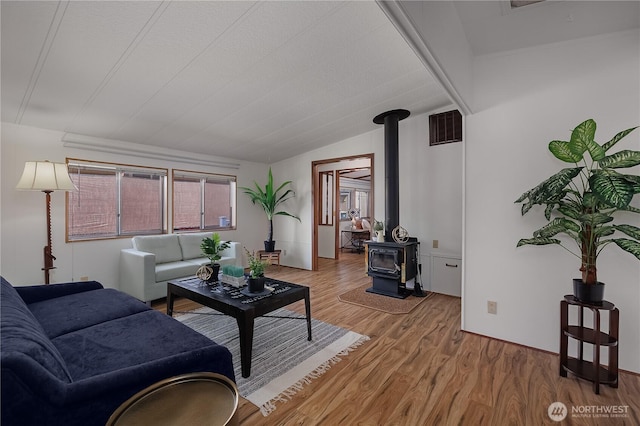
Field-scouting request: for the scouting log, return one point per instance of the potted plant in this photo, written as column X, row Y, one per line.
column 256, row 272
column 212, row 248
column 378, row 227
column 269, row 199
column 581, row 201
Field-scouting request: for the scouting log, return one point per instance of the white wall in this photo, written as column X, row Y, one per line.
column 23, row 226
column 430, row 186
column 526, row 99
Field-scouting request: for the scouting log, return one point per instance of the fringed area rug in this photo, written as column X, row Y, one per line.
column 283, row 360
column 390, row 305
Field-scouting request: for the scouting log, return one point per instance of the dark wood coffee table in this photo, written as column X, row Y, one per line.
column 231, row 301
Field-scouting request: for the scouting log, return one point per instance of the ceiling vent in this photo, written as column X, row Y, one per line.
column 445, row 127
column 519, row 3
column 509, row 6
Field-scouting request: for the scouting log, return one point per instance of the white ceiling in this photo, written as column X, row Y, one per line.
column 256, row 81
column 492, row 26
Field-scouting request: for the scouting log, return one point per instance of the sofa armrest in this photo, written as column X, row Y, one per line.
column 38, row 293
column 137, row 272
column 235, row 251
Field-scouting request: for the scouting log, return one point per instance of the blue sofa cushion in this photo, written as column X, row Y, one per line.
column 37, row 293
column 82, row 310
column 134, row 341
column 25, row 346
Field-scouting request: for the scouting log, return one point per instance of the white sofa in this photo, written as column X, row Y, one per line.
column 154, row 260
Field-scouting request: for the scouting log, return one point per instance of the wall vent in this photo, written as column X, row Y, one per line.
column 445, row 127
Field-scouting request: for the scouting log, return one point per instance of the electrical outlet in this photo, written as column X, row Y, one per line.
column 492, row 307
column 435, row 243
column 284, row 252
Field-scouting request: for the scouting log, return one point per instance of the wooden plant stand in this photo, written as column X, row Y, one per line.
column 589, row 370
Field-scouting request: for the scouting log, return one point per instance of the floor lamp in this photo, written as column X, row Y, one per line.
column 46, row 177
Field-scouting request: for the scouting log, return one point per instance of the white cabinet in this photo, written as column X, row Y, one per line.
column 446, row 274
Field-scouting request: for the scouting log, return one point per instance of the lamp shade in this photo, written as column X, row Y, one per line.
column 46, row 176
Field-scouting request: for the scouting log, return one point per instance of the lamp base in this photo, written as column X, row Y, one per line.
column 48, row 263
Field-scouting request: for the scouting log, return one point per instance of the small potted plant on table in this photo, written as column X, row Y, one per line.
column 212, row 248
column 256, row 273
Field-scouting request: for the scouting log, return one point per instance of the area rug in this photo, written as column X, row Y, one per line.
column 283, row 360
column 390, row 305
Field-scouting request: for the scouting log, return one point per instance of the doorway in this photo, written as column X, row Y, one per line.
column 335, row 204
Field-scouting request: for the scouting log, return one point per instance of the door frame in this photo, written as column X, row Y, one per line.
column 316, row 202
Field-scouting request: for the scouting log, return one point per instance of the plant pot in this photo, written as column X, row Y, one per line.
column 256, row 285
column 216, row 271
column 380, row 236
column 588, row 293
column 269, row 246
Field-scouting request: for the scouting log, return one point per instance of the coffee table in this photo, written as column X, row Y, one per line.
column 244, row 308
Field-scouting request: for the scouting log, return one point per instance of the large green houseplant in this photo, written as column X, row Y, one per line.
column 269, row 199
column 581, row 202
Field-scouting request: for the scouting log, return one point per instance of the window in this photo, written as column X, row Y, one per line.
column 345, row 205
column 114, row 200
column 203, row 201
column 354, row 202
column 362, row 202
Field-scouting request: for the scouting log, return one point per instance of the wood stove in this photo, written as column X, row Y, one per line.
column 392, row 266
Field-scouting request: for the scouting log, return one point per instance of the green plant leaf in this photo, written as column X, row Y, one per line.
column 616, row 138
column 596, row 152
column 560, row 149
column 582, row 136
column 554, row 187
column 589, row 201
column 630, row 230
column 537, row 241
column 548, row 210
column 523, row 197
column 611, row 188
column 594, row 219
column 603, row 231
column 634, row 181
column 556, row 226
column 570, row 211
column 631, row 209
column 550, row 191
column 286, row 214
column 630, row 246
column 620, row 160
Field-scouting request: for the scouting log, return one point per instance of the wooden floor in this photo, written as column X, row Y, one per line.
column 420, row 369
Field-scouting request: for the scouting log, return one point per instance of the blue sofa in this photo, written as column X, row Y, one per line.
column 72, row 353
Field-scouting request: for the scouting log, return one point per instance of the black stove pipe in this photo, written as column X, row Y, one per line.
column 390, row 120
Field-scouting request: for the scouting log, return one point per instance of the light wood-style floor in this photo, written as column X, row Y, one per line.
column 420, row 369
